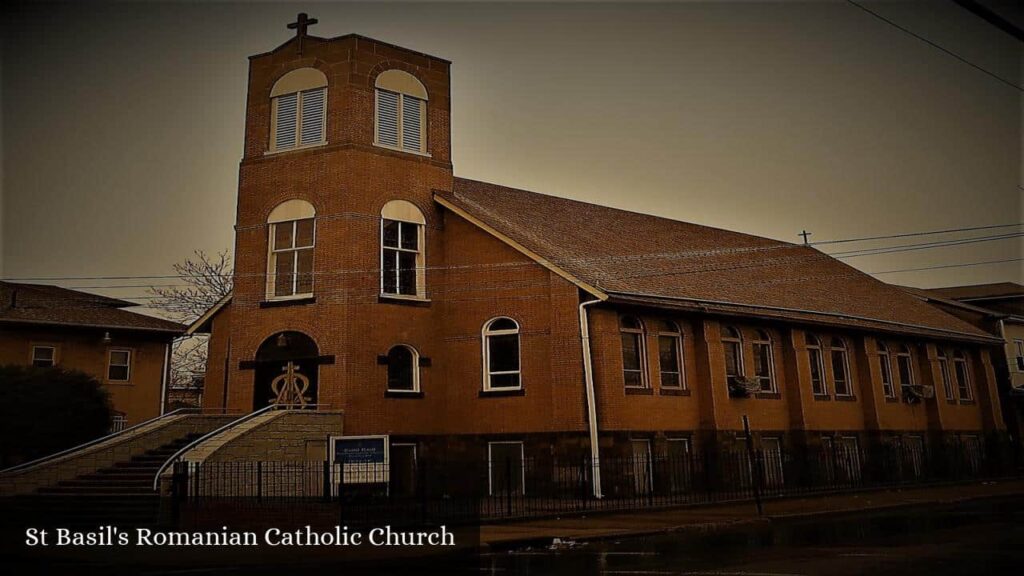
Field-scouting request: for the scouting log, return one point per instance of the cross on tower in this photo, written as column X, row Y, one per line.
column 302, row 22
column 805, row 234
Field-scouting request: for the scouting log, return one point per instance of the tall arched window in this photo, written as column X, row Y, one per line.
column 634, row 373
column 885, row 366
column 670, row 355
column 963, row 376
column 501, row 355
column 944, row 372
column 290, row 256
column 764, row 363
column 732, row 345
column 401, row 121
column 905, row 365
column 298, row 109
column 818, row 385
column 403, row 369
column 402, row 259
column 840, row 368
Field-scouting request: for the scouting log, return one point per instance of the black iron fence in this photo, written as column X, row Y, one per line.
column 525, row 487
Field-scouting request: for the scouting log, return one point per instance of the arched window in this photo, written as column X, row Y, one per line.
column 501, row 355
column 732, row 344
column 905, row 365
column 840, row 368
column 885, row 367
column 634, row 373
column 947, row 377
column 298, row 109
column 764, row 363
column 402, row 258
column 290, row 256
column 401, row 121
column 403, row 369
column 963, row 376
column 818, row 385
column 670, row 355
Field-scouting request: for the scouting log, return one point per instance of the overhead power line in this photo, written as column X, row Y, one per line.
column 910, row 234
column 936, row 46
column 922, row 246
column 948, row 266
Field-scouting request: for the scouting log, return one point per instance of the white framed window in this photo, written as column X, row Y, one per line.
column 506, row 470
column 670, row 355
column 947, row 378
column 501, row 355
column 885, row 367
column 905, row 366
column 298, row 110
column 119, row 365
column 292, row 238
column 403, row 369
column 1019, row 345
column 818, row 385
column 840, row 367
column 963, row 376
column 402, row 255
column 764, row 361
column 732, row 345
column 44, row 356
column 634, row 352
column 400, row 112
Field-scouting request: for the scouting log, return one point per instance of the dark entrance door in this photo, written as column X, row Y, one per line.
column 286, row 371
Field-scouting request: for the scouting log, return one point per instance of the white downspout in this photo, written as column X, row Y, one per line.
column 588, row 376
column 164, row 376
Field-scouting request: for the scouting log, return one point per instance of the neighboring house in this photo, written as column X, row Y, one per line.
column 187, row 394
column 466, row 318
column 127, row 352
column 999, row 309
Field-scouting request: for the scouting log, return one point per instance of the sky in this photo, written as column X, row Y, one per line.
column 122, row 124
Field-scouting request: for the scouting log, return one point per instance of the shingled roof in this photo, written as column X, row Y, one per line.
column 981, row 291
column 638, row 258
column 53, row 305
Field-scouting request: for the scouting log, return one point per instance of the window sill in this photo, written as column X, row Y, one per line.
column 674, row 392
column 293, row 301
column 403, row 394
column 967, row 402
column 118, row 382
column 846, row 398
column 499, row 392
column 639, row 391
column 403, row 300
column 295, row 148
column 403, row 150
column 822, row 397
column 768, row 395
column 891, row 399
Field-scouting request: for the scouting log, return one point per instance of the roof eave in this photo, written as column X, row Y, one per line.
column 199, row 326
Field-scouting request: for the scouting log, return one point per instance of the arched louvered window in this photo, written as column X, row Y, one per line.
column 290, row 256
column 963, row 376
column 298, row 110
column 840, row 368
column 885, row 368
column 403, row 369
column 670, row 355
column 732, row 346
column 818, row 385
column 764, row 361
column 634, row 352
column 401, row 112
column 501, row 355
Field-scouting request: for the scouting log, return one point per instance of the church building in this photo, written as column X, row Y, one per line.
column 459, row 317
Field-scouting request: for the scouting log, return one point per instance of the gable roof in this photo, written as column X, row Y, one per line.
column 53, row 305
column 644, row 259
column 929, row 295
column 977, row 291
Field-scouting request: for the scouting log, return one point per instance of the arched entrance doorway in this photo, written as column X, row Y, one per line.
column 286, row 370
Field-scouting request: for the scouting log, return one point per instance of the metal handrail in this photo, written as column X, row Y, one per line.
column 95, row 441
column 177, row 455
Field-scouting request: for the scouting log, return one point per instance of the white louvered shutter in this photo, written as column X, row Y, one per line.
column 287, row 109
column 411, row 112
column 312, row 130
column 387, row 118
